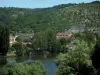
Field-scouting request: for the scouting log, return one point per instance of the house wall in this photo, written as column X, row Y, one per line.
column 12, row 39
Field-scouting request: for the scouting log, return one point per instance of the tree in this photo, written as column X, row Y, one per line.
column 95, row 57
column 76, row 61
column 18, row 39
column 4, row 39
column 45, row 40
column 63, row 41
column 20, row 48
column 39, row 41
column 51, row 39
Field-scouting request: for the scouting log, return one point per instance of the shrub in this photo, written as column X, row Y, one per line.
column 30, row 68
column 76, row 61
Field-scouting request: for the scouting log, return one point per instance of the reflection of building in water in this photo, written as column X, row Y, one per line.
column 12, row 39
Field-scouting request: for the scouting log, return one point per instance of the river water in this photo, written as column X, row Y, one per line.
column 49, row 63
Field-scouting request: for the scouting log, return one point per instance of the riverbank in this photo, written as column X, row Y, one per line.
column 49, row 63
column 11, row 54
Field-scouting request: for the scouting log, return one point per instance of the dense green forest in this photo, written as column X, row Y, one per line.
column 58, row 17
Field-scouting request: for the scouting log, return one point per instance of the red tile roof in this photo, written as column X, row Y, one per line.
column 64, row 35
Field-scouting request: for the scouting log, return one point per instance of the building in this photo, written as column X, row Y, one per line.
column 25, row 38
column 64, row 35
column 12, row 39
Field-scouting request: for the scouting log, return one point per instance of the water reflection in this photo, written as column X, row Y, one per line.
column 3, row 60
column 21, row 59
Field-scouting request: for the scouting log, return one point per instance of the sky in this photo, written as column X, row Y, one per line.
column 37, row 3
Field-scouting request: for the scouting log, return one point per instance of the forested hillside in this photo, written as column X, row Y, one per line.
column 59, row 17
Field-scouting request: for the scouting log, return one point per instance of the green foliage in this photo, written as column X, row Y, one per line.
column 20, row 48
column 30, row 68
column 63, row 41
column 11, row 49
column 76, row 60
column 59, row 17
column 45, row 40
column 4, row 39
column 27, row 40
column 51, row 39
column 87, row 36
column 18, row 39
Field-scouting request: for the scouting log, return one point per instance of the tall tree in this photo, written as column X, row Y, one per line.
column 4, row 39
column 95, row 57
column 51, row 39
column 45, row 40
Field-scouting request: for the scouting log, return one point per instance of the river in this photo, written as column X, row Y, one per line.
column 49, row 63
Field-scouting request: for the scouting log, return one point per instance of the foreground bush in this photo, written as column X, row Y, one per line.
column 30, row 68
column 76, row 61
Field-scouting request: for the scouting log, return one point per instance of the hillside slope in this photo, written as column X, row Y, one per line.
column 59, row 17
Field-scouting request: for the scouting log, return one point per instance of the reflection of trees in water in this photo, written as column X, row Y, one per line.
column 21, row 59
column 3, row 60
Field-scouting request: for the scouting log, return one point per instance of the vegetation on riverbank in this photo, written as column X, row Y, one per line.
column 30, row 68
column 11, row 54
